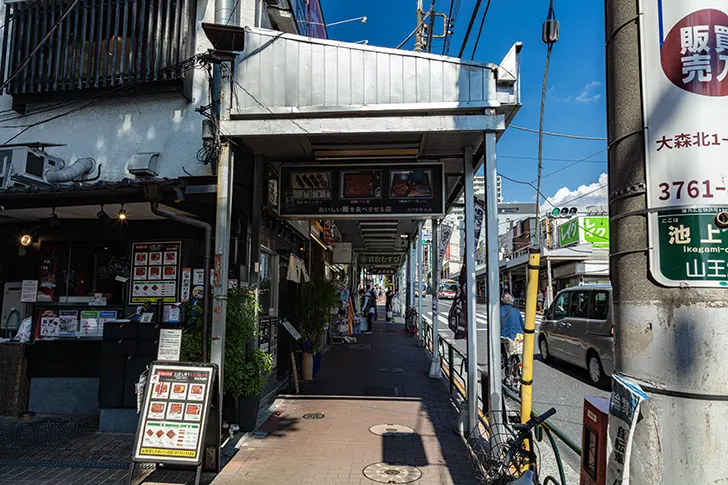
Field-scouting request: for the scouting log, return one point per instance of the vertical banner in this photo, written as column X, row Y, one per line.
column 457, row 318
column 446, row 231
column 624, row 411
column 684, row 53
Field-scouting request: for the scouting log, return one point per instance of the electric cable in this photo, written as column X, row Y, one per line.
column 470, row 28
column 560, row 135
column 516, row 157
column 480, row 30
column 447, row 26
column 572, row 164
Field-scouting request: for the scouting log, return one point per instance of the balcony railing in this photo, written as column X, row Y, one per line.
column 64, row 46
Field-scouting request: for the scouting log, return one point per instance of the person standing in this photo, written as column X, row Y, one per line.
column 388, row 304
column 369, row 308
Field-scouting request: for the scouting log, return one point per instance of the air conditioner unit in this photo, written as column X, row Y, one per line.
column 27, row 166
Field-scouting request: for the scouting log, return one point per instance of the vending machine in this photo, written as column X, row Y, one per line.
column 594, row 441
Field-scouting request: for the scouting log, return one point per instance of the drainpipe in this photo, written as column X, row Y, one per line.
column 206, row 277
column 224, row 12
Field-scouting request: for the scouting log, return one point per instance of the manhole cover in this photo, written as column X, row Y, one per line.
column 391, row 370
column 386, row 473
column 391, row 430
column 313, row 416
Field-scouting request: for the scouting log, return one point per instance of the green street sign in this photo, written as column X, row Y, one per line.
column 569, row 233
column 596, row 231
column 380, row 259
column 690, row 248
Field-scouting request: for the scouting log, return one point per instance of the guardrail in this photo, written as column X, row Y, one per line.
column 455, row 374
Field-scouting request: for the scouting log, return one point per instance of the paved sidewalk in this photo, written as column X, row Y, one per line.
column 381, row 380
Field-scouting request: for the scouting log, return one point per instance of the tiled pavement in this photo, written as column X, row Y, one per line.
column 354, row 394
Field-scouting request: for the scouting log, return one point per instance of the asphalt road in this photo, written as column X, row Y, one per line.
column 559, row 385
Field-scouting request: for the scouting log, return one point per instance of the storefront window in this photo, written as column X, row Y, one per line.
column 268, row 283
column 84, row 271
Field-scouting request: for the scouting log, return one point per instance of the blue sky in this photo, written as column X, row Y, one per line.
column 575, row 104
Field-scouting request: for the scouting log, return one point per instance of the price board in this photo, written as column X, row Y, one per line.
column 174, row 414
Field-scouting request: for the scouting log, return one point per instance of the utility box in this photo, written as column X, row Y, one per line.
column 594, row 441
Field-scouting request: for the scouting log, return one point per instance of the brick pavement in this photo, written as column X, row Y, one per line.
column 353, row 395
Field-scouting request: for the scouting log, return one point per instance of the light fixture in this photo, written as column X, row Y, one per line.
column 363, row 20
column 26, row 240
column 103, row 215
column 53, row 220
column 121, row 215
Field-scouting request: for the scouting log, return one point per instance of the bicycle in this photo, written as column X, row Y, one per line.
column 519, row 465
column 511, row 366
column 410, row 321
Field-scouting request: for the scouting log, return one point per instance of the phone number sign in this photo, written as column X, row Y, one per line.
column 692, row 249
column 684, row 55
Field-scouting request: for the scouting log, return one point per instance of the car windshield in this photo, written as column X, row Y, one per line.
column 449, row 287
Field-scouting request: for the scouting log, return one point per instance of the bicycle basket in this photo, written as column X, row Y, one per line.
column 490, row 455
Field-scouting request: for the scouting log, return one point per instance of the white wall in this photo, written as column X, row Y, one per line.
column 116, row 129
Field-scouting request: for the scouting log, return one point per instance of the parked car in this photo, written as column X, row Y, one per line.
column 578, row 328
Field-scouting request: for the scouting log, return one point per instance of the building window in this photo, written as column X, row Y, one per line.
column 56, row 46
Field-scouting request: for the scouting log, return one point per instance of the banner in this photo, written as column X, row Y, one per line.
column 446, row 231
column 457, row 319
column 624, row 411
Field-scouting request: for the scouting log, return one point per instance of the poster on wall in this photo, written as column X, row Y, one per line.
column 683, row 47
column 68, row 323
column 415, row 190
column 156, row 272
column 50, row 323
column 174, row 413
column 624, row 411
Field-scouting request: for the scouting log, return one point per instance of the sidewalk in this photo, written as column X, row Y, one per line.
column 328, row 434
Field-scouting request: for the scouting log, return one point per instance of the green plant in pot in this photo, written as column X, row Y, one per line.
column 318, row 297
column 246, row 368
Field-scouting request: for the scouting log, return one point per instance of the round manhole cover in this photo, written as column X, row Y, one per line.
column 313, row 416
column 391, row 370
column 391, row 430
column 387, row 473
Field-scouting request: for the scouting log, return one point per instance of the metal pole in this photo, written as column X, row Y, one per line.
column 420, row 331
column 550, row 287
column 419, row 35
column 470, row 300
column 491, row 239
column 411, row 270
column 224, row 12
column 435, row 371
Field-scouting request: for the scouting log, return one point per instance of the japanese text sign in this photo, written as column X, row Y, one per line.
column 684, row 46
column 174, row 413
column 569, row 233
column 380, row 259
column 355, row 192
column 624, row 409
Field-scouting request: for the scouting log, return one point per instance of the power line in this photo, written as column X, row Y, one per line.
column 480, row 30
column 553, row 159
column 575, row 163
column 560, row 135
column 470, row 27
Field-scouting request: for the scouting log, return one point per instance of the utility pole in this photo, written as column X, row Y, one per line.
column 670, row 303
column 435, row 372
column 420, row 33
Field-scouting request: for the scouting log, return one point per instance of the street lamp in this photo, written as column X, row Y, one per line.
column 363, row 20
column 365, row 42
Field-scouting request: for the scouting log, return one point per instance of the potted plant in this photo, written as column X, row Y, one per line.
column 317, row 298
column 246, row 368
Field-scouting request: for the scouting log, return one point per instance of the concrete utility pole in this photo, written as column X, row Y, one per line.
column 670, row 317
column 420, row 284
column 435, row 372
column 420, row 33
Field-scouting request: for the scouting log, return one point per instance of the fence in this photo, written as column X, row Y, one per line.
column 453, row 363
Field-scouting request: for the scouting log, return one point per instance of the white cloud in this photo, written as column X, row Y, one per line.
column 584, row 196
column 589, row 93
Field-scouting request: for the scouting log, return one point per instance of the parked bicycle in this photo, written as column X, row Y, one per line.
column 512, row 459
column 410, row 321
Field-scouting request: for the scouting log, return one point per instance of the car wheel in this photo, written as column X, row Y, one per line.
column 543, row 347
column 596, row 372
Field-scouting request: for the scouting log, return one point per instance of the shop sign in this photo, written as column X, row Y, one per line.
column 174, row 413
column 342, row 253
column 596, row 231
column 156, row 272
column 380, row 259
column 684, row 53
column 569, row 233
column 416, row 191
column 382, row 271
column 328, row 232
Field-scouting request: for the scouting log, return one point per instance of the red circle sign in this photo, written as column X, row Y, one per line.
column 695, row 53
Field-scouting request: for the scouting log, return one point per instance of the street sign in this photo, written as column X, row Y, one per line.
column 415, row 191
column 569, row 233
column 174, row 414
column 684, row 45
column 691, row 248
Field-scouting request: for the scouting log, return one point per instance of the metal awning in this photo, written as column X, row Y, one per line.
column 299, row 99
